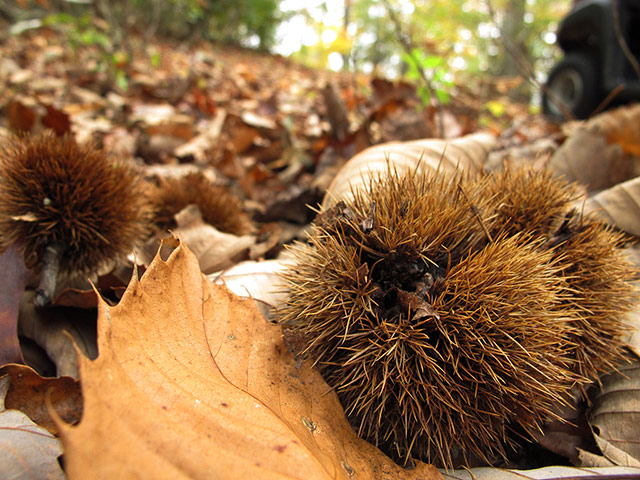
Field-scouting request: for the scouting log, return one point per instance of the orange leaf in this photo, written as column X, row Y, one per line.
column 192, row 382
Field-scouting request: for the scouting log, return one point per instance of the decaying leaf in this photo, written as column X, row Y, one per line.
column 27, row 451
column 32, row 394
column 192, row 382
column 615, row 415
column 467, row 153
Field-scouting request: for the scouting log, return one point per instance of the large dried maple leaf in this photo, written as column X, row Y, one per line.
column 192, row 382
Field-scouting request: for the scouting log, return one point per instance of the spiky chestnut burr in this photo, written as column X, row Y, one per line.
column 589, row 255
column 70, row 207
column 437, row 338
column 527, row 200
column 219, row 207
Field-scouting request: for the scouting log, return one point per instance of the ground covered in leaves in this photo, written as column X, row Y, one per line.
column 272, row 134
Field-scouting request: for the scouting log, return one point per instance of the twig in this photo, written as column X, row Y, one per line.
column 621, row 40
column 408, row 47
column 608, row 99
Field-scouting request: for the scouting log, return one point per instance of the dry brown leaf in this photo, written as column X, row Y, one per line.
column 588, row 459
column 198, row 146
column 27, row 451
column 214, row 249
column 621, row 126
column 192, row 382
column 619, row 206
column 32, row 394
column 615, row 415
column 588, row 159
column 467, row 153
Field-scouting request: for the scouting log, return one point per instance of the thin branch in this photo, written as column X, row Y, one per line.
column 409, row 48
column 621, row 40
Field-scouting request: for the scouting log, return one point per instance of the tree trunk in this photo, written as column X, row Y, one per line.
column 515, row 50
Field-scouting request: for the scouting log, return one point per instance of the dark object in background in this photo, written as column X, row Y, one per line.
column 594, row 64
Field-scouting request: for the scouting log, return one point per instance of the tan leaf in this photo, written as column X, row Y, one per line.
column 619, row 206
column 467, row 153
column 27, row 451
column 192, row 382
column 615, row 415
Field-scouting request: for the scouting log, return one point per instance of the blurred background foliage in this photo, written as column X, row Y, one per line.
column 448, row 40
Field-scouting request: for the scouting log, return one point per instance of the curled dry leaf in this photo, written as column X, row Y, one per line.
column 621, row 126
column 214, row 249
column 601, row 153
column 588, row 159
column 466, row 153
column 27, row 451
column 191, row 382
column 32, row 394
column 615, row 415
column 619, row 206
column 260, row 281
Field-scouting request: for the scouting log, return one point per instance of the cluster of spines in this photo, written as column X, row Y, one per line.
column 219, row 207
column 446, row 311
column 73, row 198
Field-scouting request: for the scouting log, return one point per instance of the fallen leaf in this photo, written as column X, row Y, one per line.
column 192, row 382
column 57, row 120
column 588, row 459
column 547, row 473
column 621, row 126
column 260, row 281
column 59, row 332
column 618, row 206
column 34, row 395
column 588, row 159
column 468, row 152
column 15, row 277
column 615, row 415
column 27, row 451
column 200, row 144
column 214, row 249
column 21, row 116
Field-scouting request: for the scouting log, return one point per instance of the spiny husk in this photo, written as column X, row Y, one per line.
column 54, row 191
column 436, row 338
column 527, row 200
column 219, row 207
column 600, row 291
column 589, row 254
